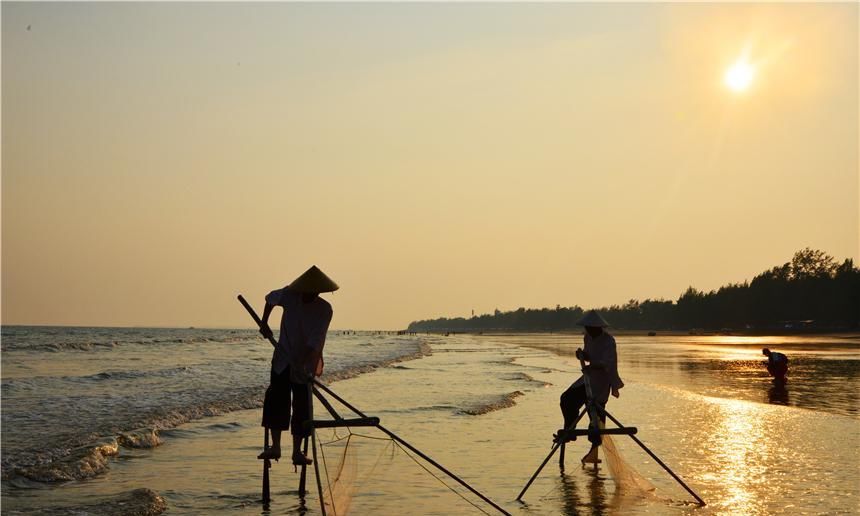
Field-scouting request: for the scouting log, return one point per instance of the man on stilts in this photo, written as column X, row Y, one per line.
column 599, row 379
column 602, row 380
column 297, row 358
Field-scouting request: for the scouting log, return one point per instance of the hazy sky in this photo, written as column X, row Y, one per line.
column 160, row 158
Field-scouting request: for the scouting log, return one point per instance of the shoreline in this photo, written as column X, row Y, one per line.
column 842, row 334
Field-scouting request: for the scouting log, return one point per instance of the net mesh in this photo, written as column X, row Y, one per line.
column 354, row 463
column 627, row 480
column 340, row 463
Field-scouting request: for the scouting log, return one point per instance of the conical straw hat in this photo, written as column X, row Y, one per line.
column 313, row 281
column 592, row 318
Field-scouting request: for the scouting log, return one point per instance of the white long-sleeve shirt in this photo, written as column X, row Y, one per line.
column 303, row 329
column 604, row 375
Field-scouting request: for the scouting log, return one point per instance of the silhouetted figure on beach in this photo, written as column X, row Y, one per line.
column 602, row 370
column 777, row 365
column 298, row 357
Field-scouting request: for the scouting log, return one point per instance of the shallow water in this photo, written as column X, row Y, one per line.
column 702, row 404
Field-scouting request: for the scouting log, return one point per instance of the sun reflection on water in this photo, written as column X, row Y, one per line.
column 738, row 340
column 739, row 444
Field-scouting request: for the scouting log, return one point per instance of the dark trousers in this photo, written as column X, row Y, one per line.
column 778, row 371
column 571, row 403
column 276, row 405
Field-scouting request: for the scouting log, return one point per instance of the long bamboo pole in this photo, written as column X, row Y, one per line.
column 591, row 406
column 317, row 471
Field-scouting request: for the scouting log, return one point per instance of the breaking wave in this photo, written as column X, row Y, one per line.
column 500, row 402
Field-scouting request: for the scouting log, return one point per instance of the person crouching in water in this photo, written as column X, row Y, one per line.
column 297, row 358
column 602, row 370
column 777, row 365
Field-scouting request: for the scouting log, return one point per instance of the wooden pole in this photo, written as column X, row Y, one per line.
column 310, row 403
column 256, row 318
column 317, row 471
column 413, row 449
column 593, row 416
column 325, row 403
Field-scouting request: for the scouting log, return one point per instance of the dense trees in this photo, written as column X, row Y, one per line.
column 812, row 291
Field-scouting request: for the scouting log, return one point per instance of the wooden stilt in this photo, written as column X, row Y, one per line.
column 304, row 474
column 266, row 465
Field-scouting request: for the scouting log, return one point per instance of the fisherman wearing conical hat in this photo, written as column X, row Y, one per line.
column 297, row 358
column 602, row 369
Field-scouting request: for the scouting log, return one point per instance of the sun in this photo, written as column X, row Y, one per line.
column 739, row 76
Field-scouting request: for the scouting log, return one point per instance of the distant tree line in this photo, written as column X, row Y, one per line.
column 813, row 291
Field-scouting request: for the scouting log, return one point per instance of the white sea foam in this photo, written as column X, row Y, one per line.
column 54, row 424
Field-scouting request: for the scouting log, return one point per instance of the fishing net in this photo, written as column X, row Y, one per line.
column 358, row 464
column 627, row 480
column 614, row 489
column 340, row 464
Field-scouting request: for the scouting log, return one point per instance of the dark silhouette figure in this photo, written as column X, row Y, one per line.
column 777, row 366
column 602, row 372
column 297, row 358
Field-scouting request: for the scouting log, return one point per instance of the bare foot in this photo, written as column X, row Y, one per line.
column 299, row 459
column 271, row 453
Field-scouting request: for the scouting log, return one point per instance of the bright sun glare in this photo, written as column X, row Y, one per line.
column 739, row 76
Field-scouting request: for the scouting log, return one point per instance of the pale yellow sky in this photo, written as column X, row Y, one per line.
column 160, row 158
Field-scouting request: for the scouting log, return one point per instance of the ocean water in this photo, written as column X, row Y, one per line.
column 69, row 391
column 113, row 421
